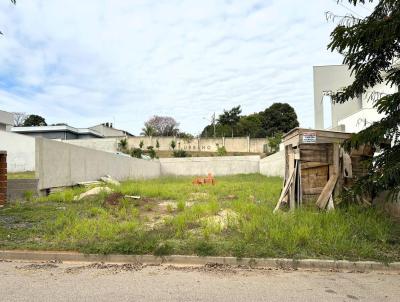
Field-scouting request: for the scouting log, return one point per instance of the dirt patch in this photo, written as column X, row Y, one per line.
column 37, row 266
column 113, row 199
column 114, row 268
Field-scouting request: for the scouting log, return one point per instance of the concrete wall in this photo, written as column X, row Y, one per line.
column 17, row 188
column 196, row 166
column 273, row 165
column 59, row 164
column 101, row 144
column 6, row 119
column 236, row 144
column 20, row 149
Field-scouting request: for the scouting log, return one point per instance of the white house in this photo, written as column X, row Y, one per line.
column 6, row 120
column 351, row 116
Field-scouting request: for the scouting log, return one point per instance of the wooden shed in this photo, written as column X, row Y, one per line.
column 317, row 167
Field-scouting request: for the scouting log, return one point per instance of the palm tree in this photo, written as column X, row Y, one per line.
column 148, row 131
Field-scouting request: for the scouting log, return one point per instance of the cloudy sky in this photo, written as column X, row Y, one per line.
column 92, row 61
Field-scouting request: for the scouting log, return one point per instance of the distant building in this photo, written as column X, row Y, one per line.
column 6, row 120
column 60, row 132
column 352, row 116
column 107, row 130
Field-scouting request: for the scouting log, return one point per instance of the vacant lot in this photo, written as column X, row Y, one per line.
column 172, row 216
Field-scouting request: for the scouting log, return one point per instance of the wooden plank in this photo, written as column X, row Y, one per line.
column 311, row 164
column 284, row 191
column 292, row 198
column 313, row 191
column 323, row 198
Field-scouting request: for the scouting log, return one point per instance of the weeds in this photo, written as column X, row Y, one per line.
column 250, row 230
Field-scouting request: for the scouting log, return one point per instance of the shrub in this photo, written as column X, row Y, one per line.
column 221, row 151
column 151, row 152
column 136, row 152
column 141, row 144
column 123, row 145
column 180, row 153
column 173, row 145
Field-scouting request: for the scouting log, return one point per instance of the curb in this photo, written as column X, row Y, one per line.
column 279, row 263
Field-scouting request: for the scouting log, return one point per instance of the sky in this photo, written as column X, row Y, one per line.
column 94, row 61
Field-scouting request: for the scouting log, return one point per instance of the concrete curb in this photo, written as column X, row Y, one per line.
column 196, row 261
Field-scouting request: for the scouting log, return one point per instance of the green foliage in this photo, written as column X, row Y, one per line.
column 136, row 152
column 141, row 144
column 123, row 145
column 277, row 118
column 251, row 125
column 148, row 130
column 230, row 117
column 275, row 141
column 157, row 144
column 34, row 120
column 57, row 222
column 151, row 152
column 221, row 151
column 180, row 153
column 371, row 47
column 280, row 117
column 173, row 144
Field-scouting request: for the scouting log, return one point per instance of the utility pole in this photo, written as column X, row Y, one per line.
column 213, row 122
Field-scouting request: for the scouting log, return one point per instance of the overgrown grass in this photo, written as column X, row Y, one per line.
column 21, row 175
column 194, row 225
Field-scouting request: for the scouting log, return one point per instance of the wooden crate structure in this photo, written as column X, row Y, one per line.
column 317, row 167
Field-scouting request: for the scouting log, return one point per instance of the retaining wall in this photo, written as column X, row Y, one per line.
column 218, row 166
column 59, row 164
column 273, row 165
column 101, row 144
column 20, row 149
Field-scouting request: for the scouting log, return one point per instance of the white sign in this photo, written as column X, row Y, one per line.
column 309, row 137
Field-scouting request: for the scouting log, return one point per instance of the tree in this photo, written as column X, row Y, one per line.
column 157, row 144
column 123, row 145
column 279, row 117
column 34, row 120
column 275, row 141
column 141, row 144
column 148, row 130
column 19, row 118
column 13, row 2
column 231, row 117
column 371, row 48
column 173, row 145
column 251, row 125
column 163, row 125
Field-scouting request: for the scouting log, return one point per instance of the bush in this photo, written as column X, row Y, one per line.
column 136, row 152
column 221, row 151
column 180, row 153
column 151, row 152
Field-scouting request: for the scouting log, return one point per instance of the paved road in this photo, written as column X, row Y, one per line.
column 24, row 281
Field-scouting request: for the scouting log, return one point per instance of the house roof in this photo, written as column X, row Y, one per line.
column 65, row 128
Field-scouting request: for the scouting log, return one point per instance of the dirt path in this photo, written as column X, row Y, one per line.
column 26, row 281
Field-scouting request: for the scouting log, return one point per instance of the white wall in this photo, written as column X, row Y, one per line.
column 273, row 165
column 218, row 166
column 20, row 151
column 360, row 120
column 59, row 165
column 101, row 144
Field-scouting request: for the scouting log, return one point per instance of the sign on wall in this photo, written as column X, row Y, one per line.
column 309, row 137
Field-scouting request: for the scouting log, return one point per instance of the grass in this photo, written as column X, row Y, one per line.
column 232, row 218
column 21, row 175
